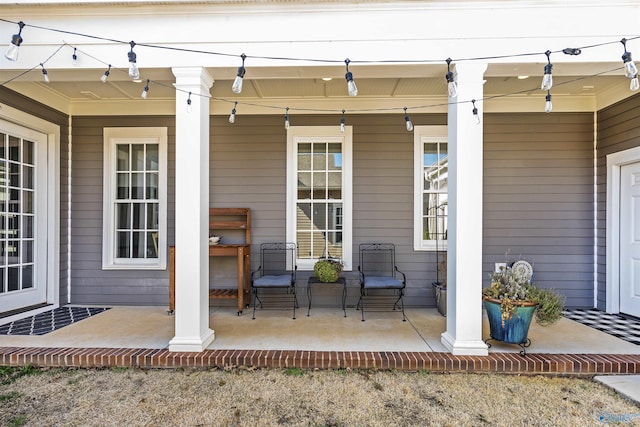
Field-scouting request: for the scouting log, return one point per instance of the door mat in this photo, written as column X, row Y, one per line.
column 626, row 328
column 49, row 321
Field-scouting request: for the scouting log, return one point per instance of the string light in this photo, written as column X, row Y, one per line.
column 189, row 108
column 14, row 45
column 351, row 85
column 630, row 69
column 407, row 120
column 134, row 72
column 474, row 110
column 105, row 76
column 74, row 57
column 232, row 116
column 452, row 87
column 547, row 80
column 237, row 83
column 286, row 119
column 45, row 75
column 547, row 105
column 145, row 91
column 342, row 122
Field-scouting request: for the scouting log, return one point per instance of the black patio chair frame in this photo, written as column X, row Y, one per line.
column 378, row 272
column 277, row 272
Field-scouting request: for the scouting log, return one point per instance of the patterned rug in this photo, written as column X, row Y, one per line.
column 49, row 321
column 620, row 326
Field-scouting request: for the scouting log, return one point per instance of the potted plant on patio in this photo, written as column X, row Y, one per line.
column 511, row 302
column 328, row 270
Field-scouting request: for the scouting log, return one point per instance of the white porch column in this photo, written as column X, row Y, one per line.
column 192, row 332
column 464, row 277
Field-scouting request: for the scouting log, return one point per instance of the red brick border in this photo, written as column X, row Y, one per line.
column 532, row 363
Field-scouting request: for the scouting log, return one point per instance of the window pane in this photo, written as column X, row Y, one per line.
column 304, row 157
column 27, row 251
column 3, row 253
column 123, row 244
column 137, row 157
column 13, row 224
column 14, row 174
column 3, row 199
column 123, row 216
column 319, row 157
column 27, row 226
column 123, row 157
column 3, row 287
column 335, row 156
column 319, row 185
column 14, row 148
column 13, row 252
column 152, row 163
column 138, row 248
column 304, row 185
column 138, row 216
column 28, row 147
column 14, row 200
column 152, row 186
column 3, row 145
column 319, row 216
column 303, row 238
column 14, row 278
column 152, row 245
column 303, row 217
column 137, row 185
column 153, row 216
column 27, row 177
column 3, row 172
column 123, row 186
column 335, row 185
column 27, row 201
column 27, row 277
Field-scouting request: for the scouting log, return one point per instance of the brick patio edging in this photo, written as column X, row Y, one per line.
column 532, row 363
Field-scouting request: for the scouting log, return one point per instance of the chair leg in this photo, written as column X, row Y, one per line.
column 256, row 301
column 295, row 302
column 360, row 305
column 401, row 301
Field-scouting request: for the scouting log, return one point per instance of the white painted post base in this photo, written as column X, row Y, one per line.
column 463, row 348
column 194, row 344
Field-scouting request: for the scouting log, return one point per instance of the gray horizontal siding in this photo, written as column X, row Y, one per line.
column 618, row 130
column 538, row 198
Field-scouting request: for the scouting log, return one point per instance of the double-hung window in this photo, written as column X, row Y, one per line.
column 319, row 193
column 135, row 198
column 431, row 173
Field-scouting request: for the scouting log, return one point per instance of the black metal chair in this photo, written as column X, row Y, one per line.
column 379, row 276
column 277, row 273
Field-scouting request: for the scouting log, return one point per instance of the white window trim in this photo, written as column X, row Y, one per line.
column 422, row 134
column 112, row 136
column 322, row 133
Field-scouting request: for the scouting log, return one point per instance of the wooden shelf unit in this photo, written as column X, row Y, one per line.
column 225, row 219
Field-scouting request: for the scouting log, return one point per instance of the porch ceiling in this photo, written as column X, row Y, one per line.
column 412, row 82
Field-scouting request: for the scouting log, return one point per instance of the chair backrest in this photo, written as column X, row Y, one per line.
column 277, row 258
column 377, row 259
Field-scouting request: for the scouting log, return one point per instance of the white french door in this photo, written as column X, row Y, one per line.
column 630, row 239
column 23, row 219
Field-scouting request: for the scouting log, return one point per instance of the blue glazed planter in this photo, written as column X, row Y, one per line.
column 516, row 329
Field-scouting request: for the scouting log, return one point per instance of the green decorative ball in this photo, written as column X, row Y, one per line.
column 327, row 270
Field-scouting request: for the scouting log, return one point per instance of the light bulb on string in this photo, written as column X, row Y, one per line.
column 105, row 76
column 634, row 84
column 452, row 86
column 351, row 85
column 145, row 91
column 45, row 75
column 547, row 79
column 407, row 120
column 14, row 44
column 74, row 57
column 286, row 119
column 474, row 110
column 232, row 116
column 342, row 122
column 237, row 83
column 189, row 108
column 630, row 69
column 134, row 72
column 547, row 105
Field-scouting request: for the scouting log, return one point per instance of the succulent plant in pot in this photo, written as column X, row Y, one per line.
column 328, row 270
column 512, row 300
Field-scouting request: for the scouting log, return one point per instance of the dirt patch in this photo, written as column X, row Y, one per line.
column 294, row 397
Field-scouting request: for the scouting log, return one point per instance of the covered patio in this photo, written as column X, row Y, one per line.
column 139, row 337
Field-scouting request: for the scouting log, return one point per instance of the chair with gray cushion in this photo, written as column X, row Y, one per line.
column 275, row 279
column 380, row 278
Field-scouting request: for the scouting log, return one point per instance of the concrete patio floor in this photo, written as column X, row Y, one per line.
column 324, row 330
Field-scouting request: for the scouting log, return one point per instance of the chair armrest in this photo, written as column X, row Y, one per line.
column 404, row 276
column 254, row 273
